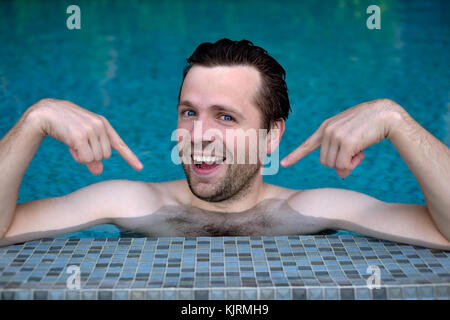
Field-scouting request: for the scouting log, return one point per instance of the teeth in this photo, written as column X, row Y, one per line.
column 208, row 160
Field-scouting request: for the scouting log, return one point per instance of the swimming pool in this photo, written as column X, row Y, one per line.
column 126, row 63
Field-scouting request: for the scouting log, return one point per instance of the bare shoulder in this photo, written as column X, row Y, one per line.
column 127, row 197
column 330, row 202
column 174, row 192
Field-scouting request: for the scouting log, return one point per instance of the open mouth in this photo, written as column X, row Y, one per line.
column 203, row 165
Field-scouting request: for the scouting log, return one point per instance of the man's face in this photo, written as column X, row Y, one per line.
column 217, row 110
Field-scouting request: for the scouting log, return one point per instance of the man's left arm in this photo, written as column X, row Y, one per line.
column 429, row 161
column 342, row 139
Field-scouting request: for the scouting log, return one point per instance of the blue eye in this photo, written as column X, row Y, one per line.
column 189, row 113
column 227, row 118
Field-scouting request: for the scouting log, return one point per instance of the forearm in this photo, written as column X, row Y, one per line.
column 429, row 161
column 17, row 148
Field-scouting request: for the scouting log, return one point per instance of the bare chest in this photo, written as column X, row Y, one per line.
column 272, row 217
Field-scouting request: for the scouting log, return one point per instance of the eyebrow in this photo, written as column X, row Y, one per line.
column 218, row 107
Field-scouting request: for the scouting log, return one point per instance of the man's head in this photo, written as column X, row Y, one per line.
column 230, row 90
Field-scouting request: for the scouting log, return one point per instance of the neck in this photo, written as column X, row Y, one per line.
column 244, row 200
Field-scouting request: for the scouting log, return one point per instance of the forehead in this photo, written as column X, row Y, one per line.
column 229, row 85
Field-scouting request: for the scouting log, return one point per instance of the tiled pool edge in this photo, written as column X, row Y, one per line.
column 284, row 267
column 404, row 292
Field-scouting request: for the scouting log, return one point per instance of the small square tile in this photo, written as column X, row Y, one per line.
column 299, row 294
column 426, row 292
column 169, row 295
column 266, row 293
column 315, row 293
column 249, row 294
column 137, row 295
column 347, row 294
column 395, row 293
column 56, row 295
column 185, row 295
column 121, row 294
column 105, row 295
column 379, row 294
column 441, row 292
column 72, row 295
column 88, row 295
column 410, row 293
column 154, row 294
column 363, row 294
column 7, row 295
column 331, row 294
column 40, row 295
column 201, row 294
column 283, row 294
column 233, row 294
column 24, row 295
column 217, row 294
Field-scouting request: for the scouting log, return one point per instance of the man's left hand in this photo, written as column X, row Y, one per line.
column 343, row 137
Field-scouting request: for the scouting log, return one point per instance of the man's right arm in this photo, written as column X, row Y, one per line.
column 95, row 204
column 89, row 137
column 17, row 148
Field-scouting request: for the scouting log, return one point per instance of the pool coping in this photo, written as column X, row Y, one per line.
column 205, row 268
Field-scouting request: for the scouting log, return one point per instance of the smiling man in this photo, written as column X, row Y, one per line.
column 230, row 90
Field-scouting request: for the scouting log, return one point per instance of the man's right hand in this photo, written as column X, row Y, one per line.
column 89, row 136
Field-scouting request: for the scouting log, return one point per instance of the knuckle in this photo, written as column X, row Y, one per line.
column 46, row 101
column 79, row 136
column 97, row 122
column 328, row 131
column 326, row 123
column 105, row 121
column 339, row 134
column 89, row 130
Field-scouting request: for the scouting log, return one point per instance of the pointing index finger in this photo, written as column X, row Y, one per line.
column 308, row 146
column 119, row 145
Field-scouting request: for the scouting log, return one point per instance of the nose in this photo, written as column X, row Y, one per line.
column 201, row 131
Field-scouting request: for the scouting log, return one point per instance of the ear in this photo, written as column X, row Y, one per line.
column 274, row 135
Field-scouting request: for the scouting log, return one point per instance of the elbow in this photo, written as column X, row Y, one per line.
column 3, row 231
column 447, row 238
column 445, row 233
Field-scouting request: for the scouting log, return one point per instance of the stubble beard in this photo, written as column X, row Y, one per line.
column 233, row 186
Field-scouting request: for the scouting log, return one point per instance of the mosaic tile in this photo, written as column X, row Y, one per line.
column 410, row 293
column 285, row 267
column 125, row 295
column 315, row 293
column 442, row 292
column 233, row 294
column 363, row 294
column 283, row 294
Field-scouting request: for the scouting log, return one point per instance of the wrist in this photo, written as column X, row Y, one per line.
column 395, row 119
column 34, row 119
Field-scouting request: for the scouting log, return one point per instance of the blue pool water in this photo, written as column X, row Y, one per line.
column 126, row 64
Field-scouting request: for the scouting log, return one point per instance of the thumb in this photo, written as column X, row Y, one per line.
column 95, row 167
column 356, row 160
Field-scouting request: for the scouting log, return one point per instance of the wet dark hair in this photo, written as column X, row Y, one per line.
column 272, row 97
